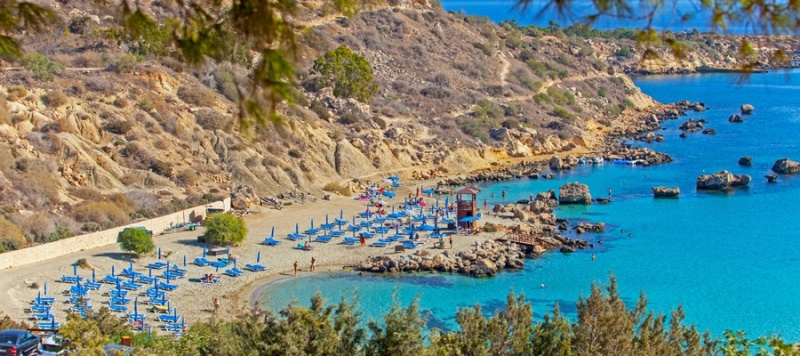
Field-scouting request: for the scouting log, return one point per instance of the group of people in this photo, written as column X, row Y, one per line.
column 312, row 269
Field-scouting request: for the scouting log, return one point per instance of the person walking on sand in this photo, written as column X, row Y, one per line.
column 295, row 268
column 362, row 240
column 216, row 305
column 313, row 263
column 451, row 241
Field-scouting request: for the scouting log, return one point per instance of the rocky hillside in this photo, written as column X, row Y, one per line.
column 97, row 130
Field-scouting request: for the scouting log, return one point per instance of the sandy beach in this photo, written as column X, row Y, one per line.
column 193, row 300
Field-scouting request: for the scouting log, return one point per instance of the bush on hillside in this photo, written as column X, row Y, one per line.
column 484, row 48
column 318, row 107
column 225, row 81
column 16, row 92
column 337, row 188
column 380, row 122
column 211, row 119
column 119, row 127
column 161, row 168
column 224, row 229
column 197, row 94
column 347, row 72
column 135, row 240
column 11, row 237
column 126, row 63
column 41, row 67
column 54, row 99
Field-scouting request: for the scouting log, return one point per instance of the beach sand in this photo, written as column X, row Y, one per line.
column 192, row 300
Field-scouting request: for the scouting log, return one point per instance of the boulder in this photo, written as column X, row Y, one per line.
column 664, row 192
column 242, row 196
column 567, row 249
column 786, row 166
column 735, row 118
column 722, row 180
column 747, row 109
column 746, row 161
column 555, row 163
column 771, row 178
column 539, row 207
column 574, row 193
column 709, row 132
column 550, row 175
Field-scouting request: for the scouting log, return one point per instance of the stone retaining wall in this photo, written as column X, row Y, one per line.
column 63, row 247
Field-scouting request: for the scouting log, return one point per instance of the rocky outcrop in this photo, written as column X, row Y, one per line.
column 786, row 166
column 771, row 178
column 747, row 109
column 574, row 193
column 242, row 196
column 548, row 197
column 484, row 260
column 735, row 118
column 556, row 164
column 591, row 227
column 722, row 180
column 664, row 192
column 691, row 126
column 709, row 132
column 746, row 161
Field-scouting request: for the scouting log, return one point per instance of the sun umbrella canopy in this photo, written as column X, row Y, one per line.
column 389, row 194
column 394, row 178
column 425, row 228
column 468, row 219
column 428, row 191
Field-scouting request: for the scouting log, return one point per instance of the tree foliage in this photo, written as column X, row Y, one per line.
column 138, row 241
column 224, row 229
column 41, row 67
column 347, row 72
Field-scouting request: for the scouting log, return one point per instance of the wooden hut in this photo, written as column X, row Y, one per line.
column 467, row 203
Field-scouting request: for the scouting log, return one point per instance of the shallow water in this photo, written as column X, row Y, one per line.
column 731, row 259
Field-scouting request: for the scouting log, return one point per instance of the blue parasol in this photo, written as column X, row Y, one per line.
column 272, row 235
column 149, row 271
column 204, row 252
column 93, row 281
column 468, row 219
column 184, row 260
column 159, row 253
column 258, row 257
column 131, row 265
column 229, row 250
column 75, row 269
column 45, row 288
column 389, row 194
column 112, row 271
column 395, row 178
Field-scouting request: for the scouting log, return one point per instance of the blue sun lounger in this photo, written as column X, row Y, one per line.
column 44, row 300
column 350, row 240
column 234, row 272
column 337, row 233
column 201, row 261
column 147, row 280
column 378, row 244
column 174, row 327
column 117, row 293
column 409, row 245
column 271, row 242
column 324, row 239
column 92, row 285
column 118, row 308
column 71, row 280
column 173, row 275
column 255, row 268
column 122, row 301
column 175, row 269
column 41, row 309
column 167, row 287
column 158, row 265
column 170, row 318
column 44, row 316
column 295, row 237
column 112, row 280
column 77, row 300
column 131, row 286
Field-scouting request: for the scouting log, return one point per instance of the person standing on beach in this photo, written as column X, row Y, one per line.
column 313, row 263
column 295, row 268
column 362, row 240
column 216, row 305
column 530, row 197
column 451, row 241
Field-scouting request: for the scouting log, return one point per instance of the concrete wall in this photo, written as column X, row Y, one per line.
column 102, row 238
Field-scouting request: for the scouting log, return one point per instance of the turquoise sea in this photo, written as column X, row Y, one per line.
column 731, row 259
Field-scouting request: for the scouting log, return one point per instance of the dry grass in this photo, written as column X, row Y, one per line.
column 54, row 99
column 197, row 94
column 11, row 237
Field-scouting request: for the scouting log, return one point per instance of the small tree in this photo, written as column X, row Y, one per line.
column 224, row 229
column 137, row 241
column 347, row 72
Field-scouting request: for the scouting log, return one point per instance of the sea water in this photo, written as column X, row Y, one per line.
column 732, row 259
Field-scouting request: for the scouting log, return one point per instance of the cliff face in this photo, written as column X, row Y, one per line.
column 455, row 94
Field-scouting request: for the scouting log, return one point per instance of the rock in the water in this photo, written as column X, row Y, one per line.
column 567, row 249
column 771, row 178
column 747, row 109
column 709, row 132
column 574, row 193
column 786, row 166
column 735, row 118
column 555, row 163
column 550, row 175
column 722, row 180
column 664, row 192
column 746, row 161
column 682, row 135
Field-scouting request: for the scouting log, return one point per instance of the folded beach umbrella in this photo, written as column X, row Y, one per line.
column 184, row 260
column 112, row 271
column 131, row 265
column 159, row 253
column 45, row 288
column 93, row 281
column 272, row 235
column 258, row 257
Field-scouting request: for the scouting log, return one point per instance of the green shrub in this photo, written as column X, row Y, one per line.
column 126, row 63
column 627, row 102
column 147, row 105
column 55, row 98
column 91, row 227
column 564, row 135
column 337, row 188
column 599, row 65
column 512, row 110
column 601, row 93
column 435, row 92
column 130, row 149
column 197, row 94
column 562, row 113
column 624, row 52
column 487, row 50
column 136, row 240
column 380, row 122
column 489, row 108
column 511, row 124
column 347, row 72
column 121, row 102
column 319, row 108
column 531, row 84
column 225, row 81
column 224, row 229
column 349, row 118
column 563, row 59
column 489, row 227
column 542, row 98
column 188, row 177
column 41, row 67
column 538, row 67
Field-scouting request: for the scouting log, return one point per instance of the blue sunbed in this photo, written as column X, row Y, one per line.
column 255, row 268
column 304, row 247
column 379, row 244
column 92, row 285
column 167, row 287
column 168, row 318
column 72, row 280
column 271, row 242
column 337, row 233
column 122, row 301
column 324, row 239
column 44, row 316
column 45, row 300
column 201, row 261
column 175, row 269
column 158, row 265
column 76, row 300
column 295, row 237
column 131, row 286
column 174, row 327
column 350, row 240
column 147, row 280
column 41, row 309
column 118, row 308
column 112, row 279
column 409, row 245
column 173, row 275
column 117, row 293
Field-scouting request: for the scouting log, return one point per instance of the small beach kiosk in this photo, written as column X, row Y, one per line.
column 467, row 207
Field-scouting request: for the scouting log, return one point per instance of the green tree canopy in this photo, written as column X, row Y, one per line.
column 138, row 241
column 347, row 72
column 224, row 229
